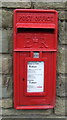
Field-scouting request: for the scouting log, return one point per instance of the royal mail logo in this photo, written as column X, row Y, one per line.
column 30, row 43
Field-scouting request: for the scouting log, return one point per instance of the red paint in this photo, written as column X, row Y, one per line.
column 35, row 30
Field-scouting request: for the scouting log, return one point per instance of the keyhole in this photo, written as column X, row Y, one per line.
column 23, row 79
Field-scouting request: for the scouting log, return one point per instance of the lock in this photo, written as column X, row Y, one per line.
column 23, row 79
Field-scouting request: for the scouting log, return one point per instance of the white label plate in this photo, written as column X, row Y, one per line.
column 35, row 76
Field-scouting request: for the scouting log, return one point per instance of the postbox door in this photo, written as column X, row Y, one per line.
column 29, row 96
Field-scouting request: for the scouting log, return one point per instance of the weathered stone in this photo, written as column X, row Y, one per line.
column 48, row 0
column 0, row 87
column 17, row 4
column 0, row 41
column 7, row 64
column 7, row 18
column 66, row 5
column 0, row 63
column 0, row 17
column 26, row 113
column 7, row 40
column 10, row 40
column 0, row 4
column 60, row 106
column 4, row 41
column 65, row 32
column 61, row 60
column 7, row 88
column 35, row 117
column 15, row 1
column 1, row 113
column 61, row 15
column 65, row 15
column 0, row 103
column 66, row 104
column 7, row 103
column 49, row 5
column 62, row 33
column 61, row 83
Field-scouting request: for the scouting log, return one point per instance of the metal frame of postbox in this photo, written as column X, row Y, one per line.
column 48, row 97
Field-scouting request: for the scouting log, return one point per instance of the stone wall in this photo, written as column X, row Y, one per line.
column 6, row 63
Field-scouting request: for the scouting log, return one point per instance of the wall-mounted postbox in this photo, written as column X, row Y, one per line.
column 35, row 49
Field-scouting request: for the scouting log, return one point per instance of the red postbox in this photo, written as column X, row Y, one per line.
column 35, row 50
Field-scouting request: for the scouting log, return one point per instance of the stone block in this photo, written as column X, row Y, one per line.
column 0, row 4
column 60, row 106
column 4, row 41
column 6, row 64
column 15, row 1
column 66, row 15
column 61, row 59
column 61, row 15
column 7, row 40
column 26, row 113
column 0, row 41
column 7, row 18
column 0, row 87
column 65, row 32
column 49, row 0
column 49, row 5
column 0, row 17
column 7, row 86
column 7, row 103
column 0, row 63
column 66, row 5
column 61, row 83
column 62, row 33
column 16, row 4
column 0, row 103
column 66, row 105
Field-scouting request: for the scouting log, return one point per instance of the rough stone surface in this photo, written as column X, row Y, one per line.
column 0, row 17
column 4, row 41
column 0, row 41
column 7, row 88
column 66, row 104
column 48, row 0
column 0, row 63
column 14, row 1
column 7, row 18
column 61, row 15
column 7, row 64
column 0, row 113
column 0, row 4
column 60, row 106
column 7, row 40
column 7, row 103
column 65, row 32
column 26, row 112
column 61, row 83
column 62, row 33
column 0, row 87
column 61, row 59
column 66, row 15
column 66, row 4
column 0, row 103
column 33, row 0
column 16, row 4
column 49, row 5
column 39, row 117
